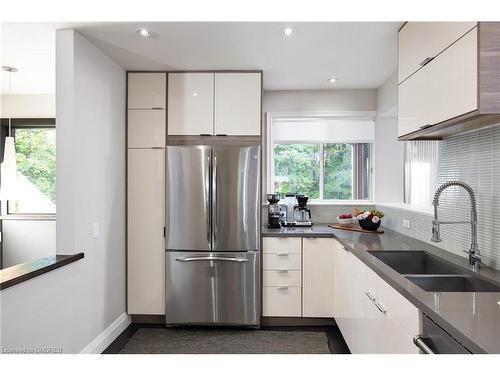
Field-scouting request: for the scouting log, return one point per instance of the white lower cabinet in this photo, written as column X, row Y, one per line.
column 281, row 301
column 372, row 316
column 298, row 277
column 282, row 277
column 318, row 279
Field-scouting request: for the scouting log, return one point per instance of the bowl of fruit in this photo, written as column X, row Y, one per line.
column 344, row 219
column 370, row 220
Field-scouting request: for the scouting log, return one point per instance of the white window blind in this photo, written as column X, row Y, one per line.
column 421, row 160
column 326, row 130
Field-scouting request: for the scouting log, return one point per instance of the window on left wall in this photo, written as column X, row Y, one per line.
column 35, row 146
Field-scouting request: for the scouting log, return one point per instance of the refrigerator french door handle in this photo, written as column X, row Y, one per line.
column 208, row 199
column 211, row 258
column 214, row 200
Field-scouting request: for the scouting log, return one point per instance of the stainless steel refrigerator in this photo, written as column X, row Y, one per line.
column 213, row 235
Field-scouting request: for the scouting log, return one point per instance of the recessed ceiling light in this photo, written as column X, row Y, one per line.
column 9, row 69
column 143, row 32
column 332, row 80
column 195, row 94
column 288, row 31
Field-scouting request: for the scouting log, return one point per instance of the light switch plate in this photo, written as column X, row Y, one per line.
column 95, row 230
column 406, row 223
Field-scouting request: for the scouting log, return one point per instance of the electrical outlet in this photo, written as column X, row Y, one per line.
column 95, row 230
column 406, row 223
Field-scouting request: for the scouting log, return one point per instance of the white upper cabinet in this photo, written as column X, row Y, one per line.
column 318, row 277
column 147, row 90
column 421, row 41
column 238, row 103
column 443, row 89
column 146, row 128
column 190, row 103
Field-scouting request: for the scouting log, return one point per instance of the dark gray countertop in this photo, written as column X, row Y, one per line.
column 472, row 318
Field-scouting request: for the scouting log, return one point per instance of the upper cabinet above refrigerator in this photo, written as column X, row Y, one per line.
column 190, row 103
column 237, row 103
column 220, row 103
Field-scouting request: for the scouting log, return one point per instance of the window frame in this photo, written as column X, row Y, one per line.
column 271, row 117
column 28, row 123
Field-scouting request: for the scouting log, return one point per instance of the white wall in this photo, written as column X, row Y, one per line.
column 25, row 240
column 28, row 106
column 71, row 306
column 319, row 100
column 389, row 152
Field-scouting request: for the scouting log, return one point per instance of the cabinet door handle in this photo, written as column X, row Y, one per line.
column 425, row 126
column 419, row 343
column 282, row 254
column 346, row 249
column 370, row 296
column 282, row 288
column 205, row 135
column 426, row 61
column 282, row 271
column 380, row 307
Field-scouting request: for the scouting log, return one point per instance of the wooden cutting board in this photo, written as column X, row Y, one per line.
column 354, row 227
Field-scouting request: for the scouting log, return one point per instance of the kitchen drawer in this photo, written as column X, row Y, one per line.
column 146, row 128
column 281, row 301
column 279, row 262
column 399, row 309
column 281, row 278
column 282, row 245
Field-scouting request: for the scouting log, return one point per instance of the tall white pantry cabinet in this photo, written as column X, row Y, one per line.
column 146, row 141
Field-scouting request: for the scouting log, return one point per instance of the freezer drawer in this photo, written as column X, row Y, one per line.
column 213, row 288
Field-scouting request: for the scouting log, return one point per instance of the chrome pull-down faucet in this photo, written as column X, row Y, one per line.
column 474, row 253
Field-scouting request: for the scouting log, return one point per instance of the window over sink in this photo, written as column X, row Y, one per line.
column 327, row 158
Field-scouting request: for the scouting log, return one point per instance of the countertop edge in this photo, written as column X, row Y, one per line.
column 26, row 271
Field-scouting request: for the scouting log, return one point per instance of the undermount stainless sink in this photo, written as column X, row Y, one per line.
column 453, row 283
column 415, row 263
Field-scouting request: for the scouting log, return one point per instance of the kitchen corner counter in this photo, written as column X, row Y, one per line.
column 472, row 318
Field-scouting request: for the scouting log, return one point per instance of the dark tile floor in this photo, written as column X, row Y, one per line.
column 156, row 338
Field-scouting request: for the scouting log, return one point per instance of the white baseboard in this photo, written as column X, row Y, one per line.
column 107, row 336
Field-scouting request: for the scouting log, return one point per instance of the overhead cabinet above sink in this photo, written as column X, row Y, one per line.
column 449, row 78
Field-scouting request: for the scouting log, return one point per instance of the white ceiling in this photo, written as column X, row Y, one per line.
column 31, row 49
column 359, row 54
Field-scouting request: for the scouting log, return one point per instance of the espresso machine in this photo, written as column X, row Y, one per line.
column 273, row 211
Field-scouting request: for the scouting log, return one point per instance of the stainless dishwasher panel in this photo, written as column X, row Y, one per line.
column 435, row 340
column 213, row 288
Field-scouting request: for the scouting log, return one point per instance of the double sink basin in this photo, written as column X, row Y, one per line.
column 433, row 274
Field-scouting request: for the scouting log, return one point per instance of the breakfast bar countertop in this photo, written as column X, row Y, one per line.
column 473, row 319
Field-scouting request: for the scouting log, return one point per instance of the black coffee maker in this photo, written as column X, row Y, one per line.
column 273, row 211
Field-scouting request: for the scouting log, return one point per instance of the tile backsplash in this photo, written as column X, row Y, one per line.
column 475, row 159
column 324, row 213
